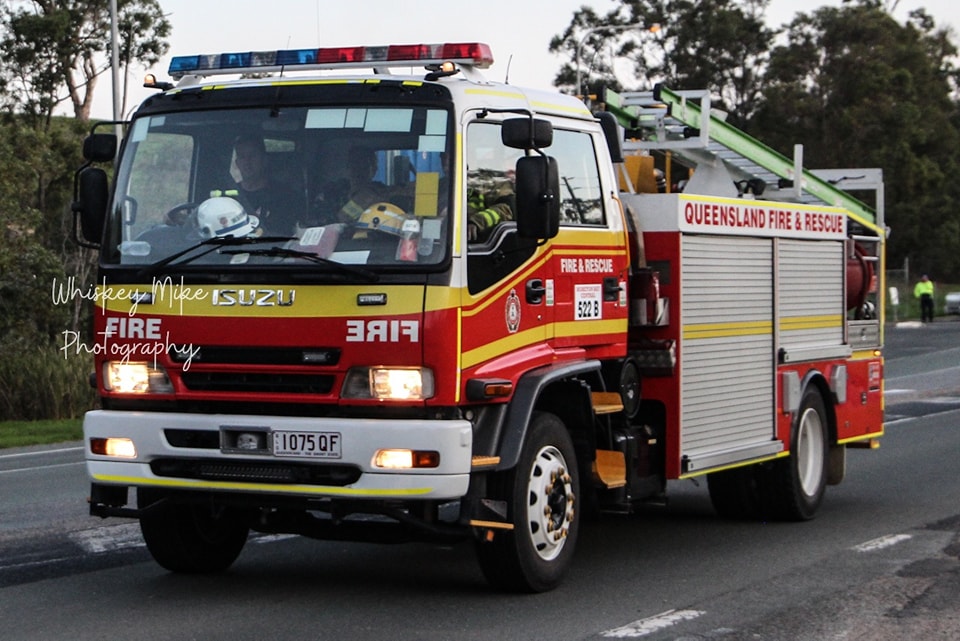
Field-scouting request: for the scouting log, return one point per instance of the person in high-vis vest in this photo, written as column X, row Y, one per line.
column 924, row 291
column 487, row 210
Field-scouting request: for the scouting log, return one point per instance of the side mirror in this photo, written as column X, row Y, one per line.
column 538, row 197
column 526, row 133
column 100, row 147
column 91, row 203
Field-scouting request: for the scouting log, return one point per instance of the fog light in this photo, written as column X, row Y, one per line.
column 406, row 459
column 118, row 447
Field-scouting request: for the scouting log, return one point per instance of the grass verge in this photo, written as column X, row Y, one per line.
column 21, row 433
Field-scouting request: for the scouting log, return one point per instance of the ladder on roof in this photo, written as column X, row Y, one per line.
column 674, row 120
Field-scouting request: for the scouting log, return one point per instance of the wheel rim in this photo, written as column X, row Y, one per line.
column 810, row 451
column 549, row 503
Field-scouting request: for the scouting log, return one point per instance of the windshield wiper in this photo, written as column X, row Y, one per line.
column 211, row 244
column 284, row 252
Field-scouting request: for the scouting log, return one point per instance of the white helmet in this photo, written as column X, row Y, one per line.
column 222, row 216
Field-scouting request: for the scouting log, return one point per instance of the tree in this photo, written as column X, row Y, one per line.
column 859, row 89
column 720, row 45
column 54, row 51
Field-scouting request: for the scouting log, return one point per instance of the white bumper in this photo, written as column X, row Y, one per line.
column 360, row 439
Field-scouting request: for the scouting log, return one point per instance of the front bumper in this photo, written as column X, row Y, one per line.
column 195, row 464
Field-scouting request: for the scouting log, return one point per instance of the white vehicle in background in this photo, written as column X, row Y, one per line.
column 951, row 304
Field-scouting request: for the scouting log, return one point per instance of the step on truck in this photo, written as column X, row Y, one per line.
column 434, row 307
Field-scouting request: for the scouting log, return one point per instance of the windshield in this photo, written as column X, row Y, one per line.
column 357, row 186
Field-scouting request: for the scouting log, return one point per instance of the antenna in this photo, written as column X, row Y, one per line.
column 506, row 75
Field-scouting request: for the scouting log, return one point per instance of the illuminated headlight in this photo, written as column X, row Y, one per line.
column 118, row 447
column 135, row 378
column 388, row 384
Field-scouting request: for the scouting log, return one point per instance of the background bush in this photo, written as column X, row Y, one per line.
column 39, row 383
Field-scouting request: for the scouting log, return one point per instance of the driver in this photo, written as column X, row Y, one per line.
column 278, row 207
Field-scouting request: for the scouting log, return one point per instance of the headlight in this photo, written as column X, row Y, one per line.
column 388, row 383
column 135, row 378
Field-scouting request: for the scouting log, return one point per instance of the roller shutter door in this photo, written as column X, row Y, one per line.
column 727, row 350
column 811, row 293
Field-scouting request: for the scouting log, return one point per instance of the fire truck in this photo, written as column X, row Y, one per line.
column 524, row 313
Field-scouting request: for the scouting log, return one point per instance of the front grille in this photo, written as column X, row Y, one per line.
column 263, row 383
column 208, row 354
column 256, row 471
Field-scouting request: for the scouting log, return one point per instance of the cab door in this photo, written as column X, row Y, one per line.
column 507, row 308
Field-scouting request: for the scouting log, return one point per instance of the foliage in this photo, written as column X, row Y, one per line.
column 853, row 85
column 861, row 90
column 719, row 44
column 55, row 50
column 41, row 383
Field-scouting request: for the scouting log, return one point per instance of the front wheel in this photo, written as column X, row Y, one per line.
column 541, row 494
column 191, row 538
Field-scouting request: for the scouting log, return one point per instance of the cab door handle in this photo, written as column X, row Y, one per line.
column 535, row 291
column 611, row 288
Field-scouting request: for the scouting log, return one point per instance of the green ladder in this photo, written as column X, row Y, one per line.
column 666, row 113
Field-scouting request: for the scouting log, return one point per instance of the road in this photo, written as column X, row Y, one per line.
column 880, row 562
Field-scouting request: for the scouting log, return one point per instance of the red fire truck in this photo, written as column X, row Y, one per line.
column 459, row 309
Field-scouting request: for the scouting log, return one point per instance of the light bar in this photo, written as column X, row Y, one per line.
column 474, row 54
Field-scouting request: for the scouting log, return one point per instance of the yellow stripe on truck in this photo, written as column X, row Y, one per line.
column 326, row 490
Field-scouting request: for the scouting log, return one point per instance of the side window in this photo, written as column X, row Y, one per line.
column 161, row 177
column 491, row 174
column 494, row 249
column 581, row 199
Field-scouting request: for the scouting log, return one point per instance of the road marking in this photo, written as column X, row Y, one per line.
column 882, row 542
column 41, row 467
column 109, row 538
column 643, row 627
column 271, row 538
column 42, row 452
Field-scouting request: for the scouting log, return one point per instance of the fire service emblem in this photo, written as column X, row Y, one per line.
column 512, row 312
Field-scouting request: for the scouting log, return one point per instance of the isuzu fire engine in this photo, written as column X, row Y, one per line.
column 531, row 311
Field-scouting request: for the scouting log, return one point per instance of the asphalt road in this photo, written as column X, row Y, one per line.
column 880, row 562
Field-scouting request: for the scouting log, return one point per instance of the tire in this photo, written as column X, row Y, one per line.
column 735, row 494
column 191, row 538
column 798, row 482
column 541, row 493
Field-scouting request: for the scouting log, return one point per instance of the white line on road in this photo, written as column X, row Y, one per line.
column 122, row 537
column 41, row 467
column 882, row 542
column 643, row 627
column 42, row 452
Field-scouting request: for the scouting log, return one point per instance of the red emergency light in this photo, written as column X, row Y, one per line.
column 473, row 54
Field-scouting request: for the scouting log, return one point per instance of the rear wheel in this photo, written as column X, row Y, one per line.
column 541, row 494
column 788, row 489
column 798, row 482
column 735, row 493
column 191, row 538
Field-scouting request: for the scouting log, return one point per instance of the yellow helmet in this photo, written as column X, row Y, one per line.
column 385, row 217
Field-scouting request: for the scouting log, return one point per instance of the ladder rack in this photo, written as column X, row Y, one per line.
column 683, row 123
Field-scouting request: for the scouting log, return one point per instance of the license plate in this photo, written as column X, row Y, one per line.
column 307, row 444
